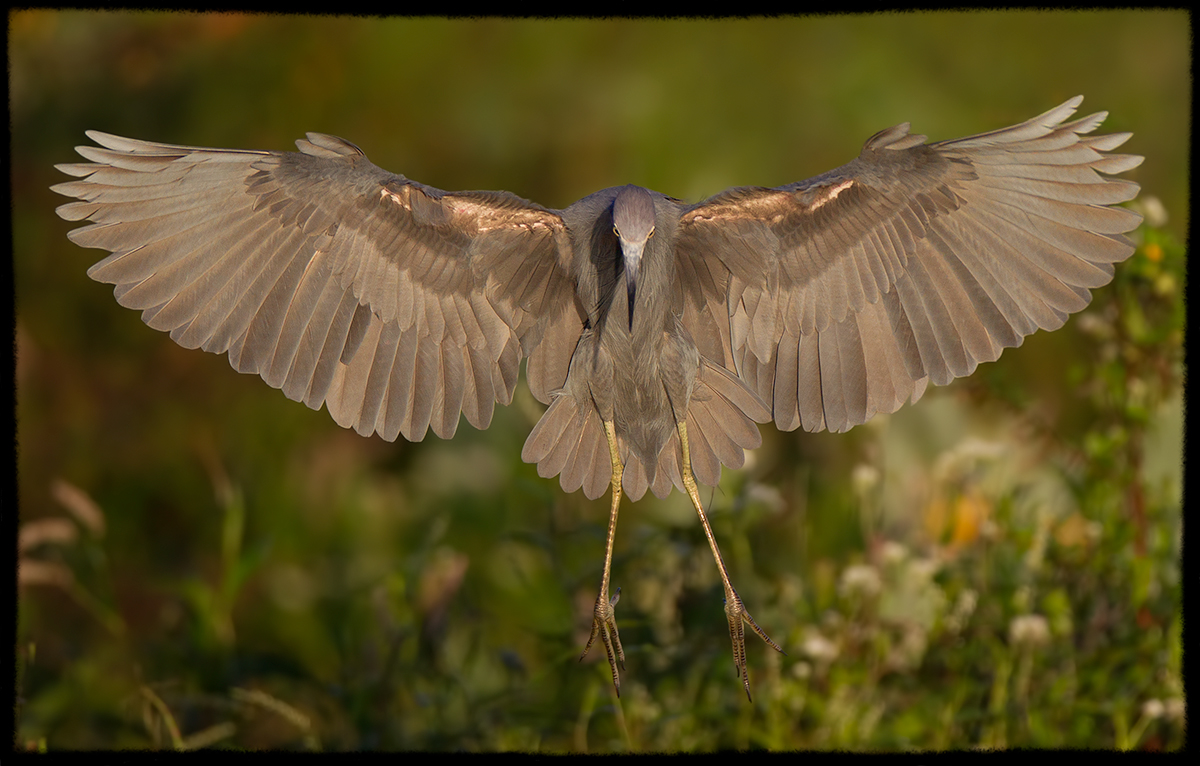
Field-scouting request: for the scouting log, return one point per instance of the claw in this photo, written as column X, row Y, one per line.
column 735, row 612
column 604, row 625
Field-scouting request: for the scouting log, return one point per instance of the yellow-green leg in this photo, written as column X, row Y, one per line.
column 604, row 620
column 735, row 610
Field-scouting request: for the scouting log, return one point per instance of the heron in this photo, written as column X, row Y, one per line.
column 659, row 333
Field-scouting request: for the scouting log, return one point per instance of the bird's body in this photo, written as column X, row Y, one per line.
column 658, row 332
column 636, row 369
column 621, row 362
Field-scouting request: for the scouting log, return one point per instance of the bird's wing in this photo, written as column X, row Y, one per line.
column 847, row 293
column 396, row 304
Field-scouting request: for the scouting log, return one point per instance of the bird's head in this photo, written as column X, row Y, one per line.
column 633, row 223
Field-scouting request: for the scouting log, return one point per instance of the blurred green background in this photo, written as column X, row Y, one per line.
column 206, row 563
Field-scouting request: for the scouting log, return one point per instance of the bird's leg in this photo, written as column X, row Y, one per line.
column 604, row 620
column 735, row 610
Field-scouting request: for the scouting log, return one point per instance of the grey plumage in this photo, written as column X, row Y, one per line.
column 817, row 304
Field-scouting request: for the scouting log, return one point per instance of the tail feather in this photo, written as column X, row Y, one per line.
column 569, row 440
column 721, row 426
column 634, row 481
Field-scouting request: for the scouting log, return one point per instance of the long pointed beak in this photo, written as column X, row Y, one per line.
column 632, row 251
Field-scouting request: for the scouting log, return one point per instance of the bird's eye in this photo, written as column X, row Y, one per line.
column 651, row 234
column 616, row 232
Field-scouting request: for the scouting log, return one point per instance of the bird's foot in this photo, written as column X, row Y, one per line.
column 604, row 624
column 735, row 612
